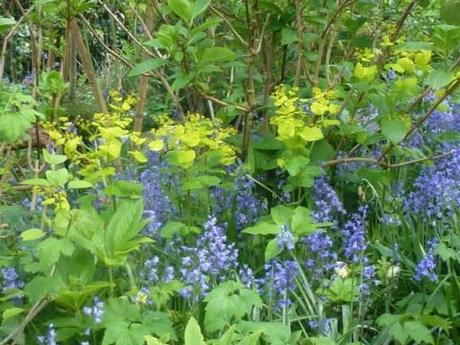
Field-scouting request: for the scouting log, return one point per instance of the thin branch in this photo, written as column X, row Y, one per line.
column 230, row 26
column 384, row 164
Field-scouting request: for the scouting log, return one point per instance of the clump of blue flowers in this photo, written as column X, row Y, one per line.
column 427, row 265
column 49, row 338
column 279, row 280
column 96, row 311
column 11, row 280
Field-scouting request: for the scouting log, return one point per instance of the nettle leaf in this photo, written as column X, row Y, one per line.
column 50, row 250
column 182, row 8
column 394, row 129
column 438, row 79
column 193, row 335
column 13, row 126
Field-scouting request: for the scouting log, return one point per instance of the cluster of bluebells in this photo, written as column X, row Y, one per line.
column 11, row 280
column 211, row 260
column 49, row 338
column 436, row 193
column 322, row 257
column 427, row 265
column 150, row 272
column 327, row 205
column 158, row 206
column 279, row 280
column 245, row 205
column 96, row 311
column 354, row 236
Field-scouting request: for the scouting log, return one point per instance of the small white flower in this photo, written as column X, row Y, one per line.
column 341, row 269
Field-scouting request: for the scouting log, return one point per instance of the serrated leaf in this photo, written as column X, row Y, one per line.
column 193, row 335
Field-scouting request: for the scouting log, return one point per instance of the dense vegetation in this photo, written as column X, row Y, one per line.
column 229, row 172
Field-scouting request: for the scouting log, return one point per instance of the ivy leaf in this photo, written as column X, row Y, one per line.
column 193, row 334
column 183, row 8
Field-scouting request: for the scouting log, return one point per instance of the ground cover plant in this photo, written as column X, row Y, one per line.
column 229, row 172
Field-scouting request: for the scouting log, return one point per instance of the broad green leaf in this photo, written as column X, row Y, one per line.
column 5, row 23
column 146, row 66
column 193, row 334
column 438, row 79
column 53, row 159
column 393, row 129
column 9, row 313
column 36, row 182
column 418, row 332
column 450, row 12
column 181, row 158
column 216, row 54
column 183, row 8
column 263, row 229
column 301, row 221
column 288, row 36
column 79, row 184
column 311, row 134
column 272, row 250
column 58, row 178
column 199, row 7
column 281, row 215
column 32, row 234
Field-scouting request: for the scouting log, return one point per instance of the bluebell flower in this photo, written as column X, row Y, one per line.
column 246, row 276
column 327, row 205
column 11, row 280
column 285, row 239
column 279, row 280
column 96, row 311
column 427, row 265
column 49, row 338
column 354, row 240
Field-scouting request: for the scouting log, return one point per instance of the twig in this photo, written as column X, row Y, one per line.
column 384, row 164
column 36, row 309
column 230, row 26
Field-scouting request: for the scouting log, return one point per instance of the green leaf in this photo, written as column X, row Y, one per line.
column 9, row 313
column 32, row 234
column 58, row 178
column 394, row 130
column 281, row 215
column 288, row 36
column 79, row 184
column 171, row 228
column 124, row 225
column 183, row 8
column 193, row 334
column 146, row 66
column 272, row 250
column 216, row 54
column 418, row 332
column 181, row 158
column 263, row 229
column 53, row 159
column 199, row 7
column 36, row 182
column 5, row 23
column 438, row 79
column 450, row 11
column 302, row 221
